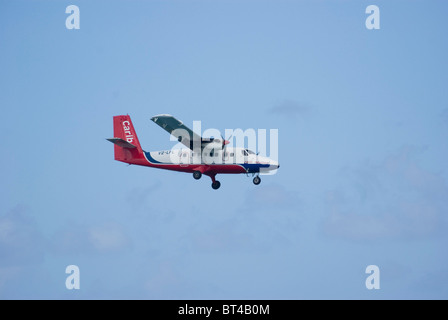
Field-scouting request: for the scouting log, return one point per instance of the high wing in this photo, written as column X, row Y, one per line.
column 182, row 133
column 176, row 128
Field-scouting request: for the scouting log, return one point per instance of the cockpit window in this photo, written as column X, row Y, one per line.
column 247, row 151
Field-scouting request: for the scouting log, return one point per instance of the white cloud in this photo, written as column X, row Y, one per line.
column 108, row 237
column 395, row 199
column 81, row 239
column 20, row 241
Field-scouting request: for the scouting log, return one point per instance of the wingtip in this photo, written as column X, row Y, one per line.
column 161, row 115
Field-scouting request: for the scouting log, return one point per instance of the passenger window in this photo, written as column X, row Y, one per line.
column 232, row 154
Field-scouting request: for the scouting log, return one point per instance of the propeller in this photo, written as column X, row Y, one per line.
column 225, row 142
column 222, row 141
column 224, row 145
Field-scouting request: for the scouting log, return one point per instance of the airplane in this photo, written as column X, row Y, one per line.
column 203, row 156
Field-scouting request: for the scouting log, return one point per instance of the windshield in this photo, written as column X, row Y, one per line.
column 247, row 152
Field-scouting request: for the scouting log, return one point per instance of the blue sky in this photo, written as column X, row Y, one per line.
column 363, row 124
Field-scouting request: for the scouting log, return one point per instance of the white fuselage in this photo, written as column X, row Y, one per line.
column 212, row 156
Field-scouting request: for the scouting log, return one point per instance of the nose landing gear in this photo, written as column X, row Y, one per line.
column 257, row 180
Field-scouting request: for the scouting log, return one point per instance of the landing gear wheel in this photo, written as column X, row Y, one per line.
column 216, row 185
column 197, row 175
column 257, row 180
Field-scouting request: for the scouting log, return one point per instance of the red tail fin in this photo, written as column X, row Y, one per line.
column 127, row 147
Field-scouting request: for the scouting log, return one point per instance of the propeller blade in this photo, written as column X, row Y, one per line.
column 225, row 142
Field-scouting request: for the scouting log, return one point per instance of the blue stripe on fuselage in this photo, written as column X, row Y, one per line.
column 151, row 159
column 254, row 167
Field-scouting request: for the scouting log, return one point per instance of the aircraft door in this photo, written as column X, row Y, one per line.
column 184, row 158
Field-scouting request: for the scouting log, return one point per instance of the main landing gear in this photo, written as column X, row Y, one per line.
column 215, row 183
column 197, row 175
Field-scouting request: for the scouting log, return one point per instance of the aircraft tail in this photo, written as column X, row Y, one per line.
column 127, row 147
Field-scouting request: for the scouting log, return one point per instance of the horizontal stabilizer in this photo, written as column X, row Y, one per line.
column 122, row 143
